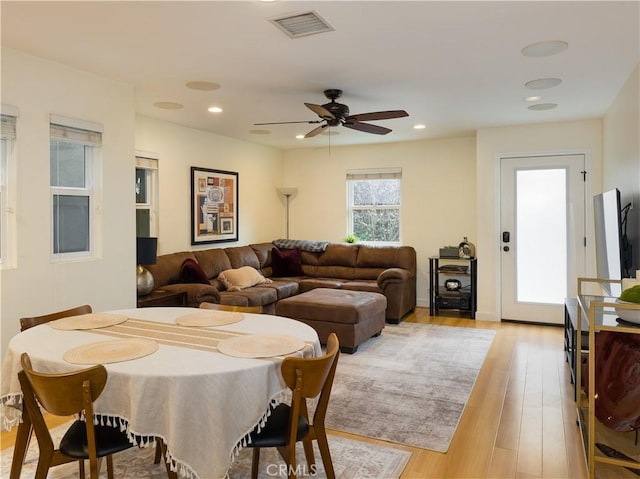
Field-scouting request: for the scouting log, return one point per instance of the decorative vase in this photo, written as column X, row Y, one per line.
column 466, row 250
column 144, row 280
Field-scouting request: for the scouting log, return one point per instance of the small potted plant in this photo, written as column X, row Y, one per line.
column 351, row 239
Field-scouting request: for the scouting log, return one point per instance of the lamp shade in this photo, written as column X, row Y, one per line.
column 146, row 250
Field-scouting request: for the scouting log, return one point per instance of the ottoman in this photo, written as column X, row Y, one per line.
column 354, row 316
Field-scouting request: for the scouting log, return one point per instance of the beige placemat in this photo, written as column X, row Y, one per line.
column 260, row 346
column 88, row 321
column 112, row 351
column 209, row 318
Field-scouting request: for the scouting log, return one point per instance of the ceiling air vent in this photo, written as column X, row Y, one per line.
column 302, row 24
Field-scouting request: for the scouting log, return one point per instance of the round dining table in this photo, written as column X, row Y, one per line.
column 200, row 400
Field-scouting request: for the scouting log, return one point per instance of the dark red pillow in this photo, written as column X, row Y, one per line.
column 191, row 272
column 286, row 263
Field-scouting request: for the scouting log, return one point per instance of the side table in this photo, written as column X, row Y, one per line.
column 161, row 297
column 571, row 341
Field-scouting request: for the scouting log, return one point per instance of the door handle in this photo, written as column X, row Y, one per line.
column 505, row 236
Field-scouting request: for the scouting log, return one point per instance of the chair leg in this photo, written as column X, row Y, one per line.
column 170, row 473
column 23, row 437
column 255, row 463
column 307, row 443
column 158, row 455
column 323, row 445
column 109, row 467
column 81, row 468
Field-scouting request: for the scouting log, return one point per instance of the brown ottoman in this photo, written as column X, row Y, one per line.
column 354, row 316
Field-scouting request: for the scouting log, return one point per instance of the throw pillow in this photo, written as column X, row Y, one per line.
column 191, row 272
column 241, row 278
column 286, row 263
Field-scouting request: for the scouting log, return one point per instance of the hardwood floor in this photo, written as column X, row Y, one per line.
column 520, row 421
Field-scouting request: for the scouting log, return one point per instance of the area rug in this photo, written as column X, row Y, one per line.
column 351, row 460
column 410, row 385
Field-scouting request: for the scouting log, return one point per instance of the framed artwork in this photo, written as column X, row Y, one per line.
column 214, row 205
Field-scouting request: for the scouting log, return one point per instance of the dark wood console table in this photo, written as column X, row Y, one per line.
column 162, row 297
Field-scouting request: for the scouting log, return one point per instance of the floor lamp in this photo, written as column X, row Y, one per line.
column 287, row 193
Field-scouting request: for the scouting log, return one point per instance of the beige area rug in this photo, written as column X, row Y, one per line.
column 351, row 460
column 410, row 385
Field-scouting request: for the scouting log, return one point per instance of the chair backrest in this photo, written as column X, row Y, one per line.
column 65, row 394
column 308, row 377
column 26, row 323
column 229, row 307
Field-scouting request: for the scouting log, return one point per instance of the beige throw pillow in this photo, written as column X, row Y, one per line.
column 241, row 278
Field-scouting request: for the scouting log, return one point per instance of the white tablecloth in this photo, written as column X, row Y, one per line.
column 201, row 403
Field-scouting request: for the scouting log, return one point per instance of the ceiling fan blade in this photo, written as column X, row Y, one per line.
column 321, row 111
column 378, row 115
column 366, row 127
column 287, row 122
column 316, row 131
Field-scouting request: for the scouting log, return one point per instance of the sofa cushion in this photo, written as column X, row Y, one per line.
column 191, row 272
column 241, row 278
column 286, row 263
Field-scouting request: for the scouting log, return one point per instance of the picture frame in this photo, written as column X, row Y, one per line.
column 214, row 206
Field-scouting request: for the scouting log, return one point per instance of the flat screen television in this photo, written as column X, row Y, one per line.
column 610, row 252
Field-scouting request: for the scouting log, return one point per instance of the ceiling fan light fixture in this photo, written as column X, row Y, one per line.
column 419, row 126
column 301, row 24
column 533, row 98
column 214, row 109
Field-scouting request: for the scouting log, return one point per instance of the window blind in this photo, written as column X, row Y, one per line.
column 146, row 163
column 7, row 127
column 72, row 129
column 380, row 174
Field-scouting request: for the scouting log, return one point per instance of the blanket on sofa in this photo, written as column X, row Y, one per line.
column 304, row 245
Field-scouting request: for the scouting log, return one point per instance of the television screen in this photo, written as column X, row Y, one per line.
column 608, row 231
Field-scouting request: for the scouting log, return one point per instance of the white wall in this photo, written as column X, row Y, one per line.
column 259, row 168
column 36, row 286
column 438, row 193
column 621, row 155
column 494, row 142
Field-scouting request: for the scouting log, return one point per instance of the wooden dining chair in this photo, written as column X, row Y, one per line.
column 26, row 323
column 229, row 307
column 289, row 424
column 67, row 394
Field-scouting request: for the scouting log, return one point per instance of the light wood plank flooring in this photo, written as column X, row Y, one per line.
column 520, row 421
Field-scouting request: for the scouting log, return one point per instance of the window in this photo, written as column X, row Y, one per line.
column 74, row 151
column 374, row 205
column 146, row 196
column 7, row 218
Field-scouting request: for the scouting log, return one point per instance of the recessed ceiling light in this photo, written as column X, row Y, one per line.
column 214, row 109
column 543, row 106
column 203, row 85
column 300, row 137
column 259, row 132
column 544, row 49
column 419, row 126
column 543, row 83
column 533, row 98
column 168, row 105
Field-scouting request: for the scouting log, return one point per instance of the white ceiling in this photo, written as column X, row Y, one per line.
column 455, row 66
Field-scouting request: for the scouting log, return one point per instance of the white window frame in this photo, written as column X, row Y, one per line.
column 88, row 134
column 373, row 174
column 8, row 238
column 149, row 162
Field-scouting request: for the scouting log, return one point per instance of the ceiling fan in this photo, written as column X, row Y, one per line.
column 335, row 114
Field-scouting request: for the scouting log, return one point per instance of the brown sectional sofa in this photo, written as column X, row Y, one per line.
column 388, row 270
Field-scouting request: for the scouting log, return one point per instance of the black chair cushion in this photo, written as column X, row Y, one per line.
column 109, row 440
column 274, row 433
